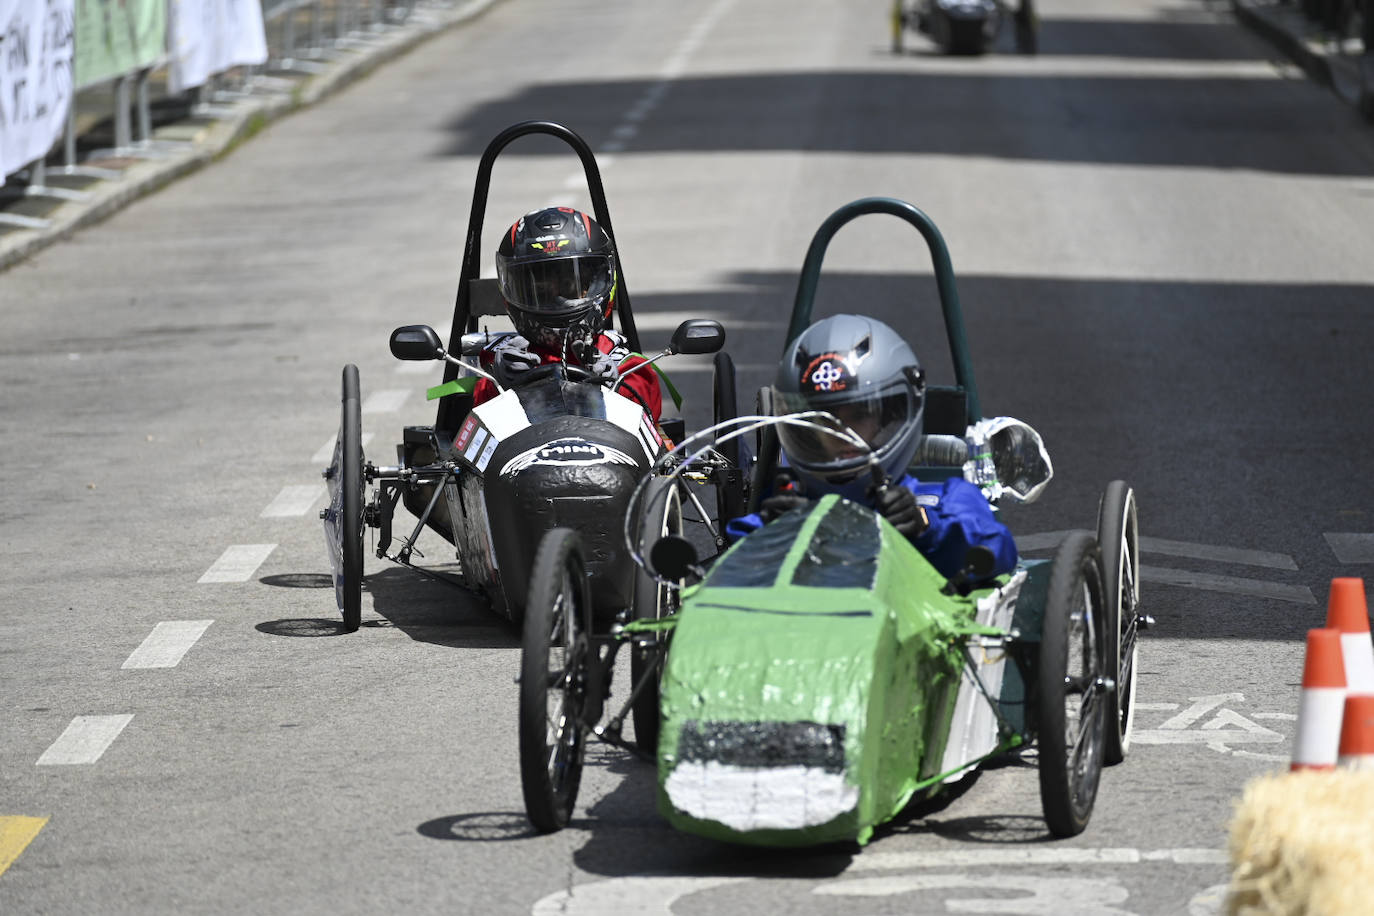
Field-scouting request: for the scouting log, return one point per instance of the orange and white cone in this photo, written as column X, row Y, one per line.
column 1322, row 704
column 1357, row 733
column 1346, row 611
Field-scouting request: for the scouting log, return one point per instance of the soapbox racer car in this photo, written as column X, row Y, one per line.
column 820, row 674
column 560, row 447
column 966, row 27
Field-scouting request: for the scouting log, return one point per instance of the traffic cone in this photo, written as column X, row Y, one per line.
column 1322, row 703
column 1357, row 733
column 1346, row 611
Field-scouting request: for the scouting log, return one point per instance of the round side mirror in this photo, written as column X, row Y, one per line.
column 416, row 342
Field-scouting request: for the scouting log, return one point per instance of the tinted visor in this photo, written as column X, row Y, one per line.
column 554, row 285
column 876, row 417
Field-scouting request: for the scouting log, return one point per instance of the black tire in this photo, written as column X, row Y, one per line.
column 1071, row 704
column 553, row 680
column 1120, row 543
column 653, row 601
column 349, row 451
column 967, row 37
column 730, row 494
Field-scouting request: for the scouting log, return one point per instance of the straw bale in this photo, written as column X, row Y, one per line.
column 1302, row 844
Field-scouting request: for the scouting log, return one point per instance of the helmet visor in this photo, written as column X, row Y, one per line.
column 874, row 416
column 555, row 285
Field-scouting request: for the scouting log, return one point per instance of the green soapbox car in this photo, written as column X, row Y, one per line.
column 820, row 674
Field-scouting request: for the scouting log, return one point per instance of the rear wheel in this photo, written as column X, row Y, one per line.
column 1072, row 701
column 1117, row 533
column 346, row 505
column 553, row 680
column 730, row 497
column 653, row 601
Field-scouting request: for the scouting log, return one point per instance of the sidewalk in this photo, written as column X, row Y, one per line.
column 187, row 137
column 1336, row 61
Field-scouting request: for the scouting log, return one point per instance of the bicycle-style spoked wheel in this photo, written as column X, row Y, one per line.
column 343, row 525
column 730, row 492
column 653, row 601
column 1117, row 533
column 1071, row 695
column 553, row 680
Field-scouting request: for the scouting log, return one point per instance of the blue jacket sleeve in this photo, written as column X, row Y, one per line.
column 746, row 524
column 960, row 518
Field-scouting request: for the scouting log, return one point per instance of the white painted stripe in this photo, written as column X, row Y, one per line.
column 1220, row 554
column 326, row 452
column 293, row 501
column 417, row 367
column 86, row 738
column 1250, row 588
column 1051, row 539
column 958, row 858
column 388, row 400
column 238, row 563
column 167, row 644
column 1351, row 546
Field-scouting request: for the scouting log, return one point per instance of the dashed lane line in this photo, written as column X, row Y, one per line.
column 293, row 500
column 1351, row 546
column 1234, row 585
column 960, row 858
column 84, row 741
column 388, row 400
column 238, row 563
column 326, row 452
column 16, row 833
column 167, row 644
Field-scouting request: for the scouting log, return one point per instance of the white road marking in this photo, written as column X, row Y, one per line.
column 1187, row 549
column 86, row 738
column 293, row 501
column 655, row 896
column 1253, row 588
column 416, row 367
column 1200, row 707
column 167, row 644
column 326, row 452
column 1351, row 546
column 1040, row 896
column 238, row 563
column 388, row 400
column 1224, row 728
column 1276, row 716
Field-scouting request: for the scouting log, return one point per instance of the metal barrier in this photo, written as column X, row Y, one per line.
column 300, row 37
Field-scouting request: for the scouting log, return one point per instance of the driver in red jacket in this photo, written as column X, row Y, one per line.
column 556, row 271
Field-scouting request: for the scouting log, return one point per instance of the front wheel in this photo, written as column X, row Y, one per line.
column 1117, row 533
column 344, row 519
column 730, row 492
column 653, row 601
column 553, row 680
column 1071, row 694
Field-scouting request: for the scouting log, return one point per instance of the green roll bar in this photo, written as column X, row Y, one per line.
column 944, row 279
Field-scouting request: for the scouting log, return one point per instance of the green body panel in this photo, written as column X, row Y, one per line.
column 825, row 627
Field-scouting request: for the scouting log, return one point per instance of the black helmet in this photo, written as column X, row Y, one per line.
column 864, row 373
column 556, row 270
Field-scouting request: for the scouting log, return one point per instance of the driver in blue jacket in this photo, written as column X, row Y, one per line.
column 863, row 373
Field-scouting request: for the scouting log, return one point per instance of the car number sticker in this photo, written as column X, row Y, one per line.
column 485, row 457
column 475, row 446
column 465, row 433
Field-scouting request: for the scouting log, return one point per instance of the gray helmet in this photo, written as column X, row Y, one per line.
column 860, row 370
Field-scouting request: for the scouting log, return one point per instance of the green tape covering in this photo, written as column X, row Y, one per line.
column 463, row 385
column 878, row 666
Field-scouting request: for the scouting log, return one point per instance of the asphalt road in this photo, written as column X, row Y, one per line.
column 1163, row 248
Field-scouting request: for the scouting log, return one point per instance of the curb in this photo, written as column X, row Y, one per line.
column 1351, row 77
column 248, row 116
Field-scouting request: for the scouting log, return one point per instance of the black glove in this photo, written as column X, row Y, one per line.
column 897, row 504
column 780, row 502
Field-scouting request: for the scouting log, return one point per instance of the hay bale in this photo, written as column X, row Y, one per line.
column 1303, row 843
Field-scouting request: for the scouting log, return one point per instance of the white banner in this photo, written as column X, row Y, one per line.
column 209, row 36
column 35, row 78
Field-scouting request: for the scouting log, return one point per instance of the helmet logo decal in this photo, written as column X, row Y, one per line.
column 827, row 373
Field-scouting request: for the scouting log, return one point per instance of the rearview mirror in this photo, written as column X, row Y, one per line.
column 696, row 336
column 416, row 341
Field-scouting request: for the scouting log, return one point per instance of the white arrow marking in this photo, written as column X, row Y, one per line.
column 1201, row 707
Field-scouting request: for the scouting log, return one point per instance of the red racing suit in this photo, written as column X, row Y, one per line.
column 643, row 385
